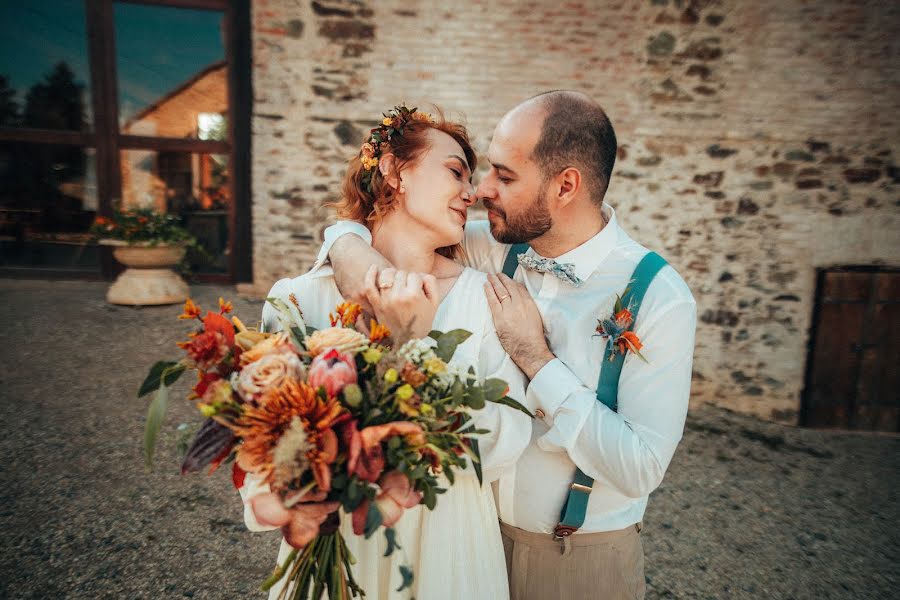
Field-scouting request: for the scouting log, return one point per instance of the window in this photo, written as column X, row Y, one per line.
column 107, row 104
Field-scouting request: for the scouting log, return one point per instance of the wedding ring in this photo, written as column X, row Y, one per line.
column 385, row 285
column 502, row 298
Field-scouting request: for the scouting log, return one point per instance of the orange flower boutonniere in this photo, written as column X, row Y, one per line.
column 616, row 330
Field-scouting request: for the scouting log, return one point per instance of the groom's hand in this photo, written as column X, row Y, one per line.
column 350, row 256
column 518, row 323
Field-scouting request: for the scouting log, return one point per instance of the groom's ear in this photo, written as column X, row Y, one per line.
column 568, row 185
column 387, row 166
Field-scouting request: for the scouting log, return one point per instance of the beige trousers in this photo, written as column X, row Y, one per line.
column 595, row 566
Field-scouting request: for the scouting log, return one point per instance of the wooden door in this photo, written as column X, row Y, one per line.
column 853, row 379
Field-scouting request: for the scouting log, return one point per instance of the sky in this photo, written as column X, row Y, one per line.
column 157, row 48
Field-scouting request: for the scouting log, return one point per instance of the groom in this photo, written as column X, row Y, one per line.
column 610, row 388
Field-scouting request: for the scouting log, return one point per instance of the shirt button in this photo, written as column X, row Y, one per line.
column 540, row 413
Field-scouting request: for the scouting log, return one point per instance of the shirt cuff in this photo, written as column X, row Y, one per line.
column 333, row 232
column 550, row 388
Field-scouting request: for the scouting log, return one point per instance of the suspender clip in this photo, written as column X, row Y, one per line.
column 577, row 487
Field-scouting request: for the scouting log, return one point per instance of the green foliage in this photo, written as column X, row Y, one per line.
column 143, row 225
column 407, row 575
column 155, row 415
column 391, row 536
column 162, row 373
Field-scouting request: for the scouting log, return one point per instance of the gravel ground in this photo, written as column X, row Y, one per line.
column 748, row 509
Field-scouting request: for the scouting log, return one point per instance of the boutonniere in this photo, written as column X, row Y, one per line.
column 616, row 330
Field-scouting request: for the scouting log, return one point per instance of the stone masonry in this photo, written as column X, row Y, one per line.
column 758, row 141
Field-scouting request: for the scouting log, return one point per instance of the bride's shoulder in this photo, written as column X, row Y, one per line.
column 315, row 293
column 472, row 278
column 468, row 291
column 308, row 282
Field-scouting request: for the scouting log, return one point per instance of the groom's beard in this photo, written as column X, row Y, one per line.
column 530, row 223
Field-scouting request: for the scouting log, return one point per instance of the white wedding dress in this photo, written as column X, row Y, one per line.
column 455, row 551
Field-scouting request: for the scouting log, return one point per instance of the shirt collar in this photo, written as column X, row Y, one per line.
column 588, row 256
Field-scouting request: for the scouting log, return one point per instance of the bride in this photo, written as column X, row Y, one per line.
column 413, row 192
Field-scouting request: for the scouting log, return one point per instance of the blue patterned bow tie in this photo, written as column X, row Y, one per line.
column 565, row 271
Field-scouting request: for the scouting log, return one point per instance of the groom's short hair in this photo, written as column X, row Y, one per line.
column 576, row 133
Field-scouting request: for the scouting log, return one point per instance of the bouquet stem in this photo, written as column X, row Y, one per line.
column 323, row 565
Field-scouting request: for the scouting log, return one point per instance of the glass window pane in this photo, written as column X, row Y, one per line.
column 193, row 186
column 48, row 199
column 171, row 69
column 44, row 66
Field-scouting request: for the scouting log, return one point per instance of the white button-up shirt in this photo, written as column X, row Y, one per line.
column 625, row 452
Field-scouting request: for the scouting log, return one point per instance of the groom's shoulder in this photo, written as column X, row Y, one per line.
column 668, row 283
column 480, row 249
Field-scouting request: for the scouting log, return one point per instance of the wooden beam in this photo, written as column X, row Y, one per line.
column 240, row 101
column 141, row 142
column 198, row 4
column 102, row 53
column 47, row 136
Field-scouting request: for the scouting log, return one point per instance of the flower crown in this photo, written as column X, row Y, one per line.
column 379, row 141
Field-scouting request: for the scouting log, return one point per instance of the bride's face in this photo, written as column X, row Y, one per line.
column 437, row 189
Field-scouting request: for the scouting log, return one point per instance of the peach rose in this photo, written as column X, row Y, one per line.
column 268, row 372
column 273, row 344
column 340, row 338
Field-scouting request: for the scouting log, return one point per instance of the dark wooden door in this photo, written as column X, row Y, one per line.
column 853, row 378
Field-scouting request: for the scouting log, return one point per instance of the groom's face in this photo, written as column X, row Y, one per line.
column 513, row 191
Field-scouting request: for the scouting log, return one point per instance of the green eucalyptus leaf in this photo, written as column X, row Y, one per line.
column 476, row 462
column 476, row 398
column 155, row 415
column 458, row 391
column 373, row 520
column 162, row 373
column 448, row 342
column 429, row 497
column 391, row 536
column 407, row 574
column 494, row 389
column 450, row 476
column 507, row 401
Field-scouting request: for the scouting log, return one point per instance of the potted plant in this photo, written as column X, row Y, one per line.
column 149, row 244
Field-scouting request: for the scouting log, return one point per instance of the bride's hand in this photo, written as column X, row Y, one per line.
column 405, row 302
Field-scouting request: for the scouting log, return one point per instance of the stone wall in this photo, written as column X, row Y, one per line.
column 758, row 140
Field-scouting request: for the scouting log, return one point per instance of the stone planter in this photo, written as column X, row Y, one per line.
column 148, row 278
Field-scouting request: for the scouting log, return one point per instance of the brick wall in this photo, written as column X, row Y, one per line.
column 758, row 140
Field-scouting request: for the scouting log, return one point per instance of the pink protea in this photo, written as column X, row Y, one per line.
column 332, row 370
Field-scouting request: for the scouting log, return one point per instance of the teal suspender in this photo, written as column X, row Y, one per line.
column 575, row 508
column 512, row 259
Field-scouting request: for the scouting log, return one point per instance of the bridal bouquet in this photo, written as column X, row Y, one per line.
column 331, row 419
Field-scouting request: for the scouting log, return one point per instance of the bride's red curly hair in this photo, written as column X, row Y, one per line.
column 358, row 204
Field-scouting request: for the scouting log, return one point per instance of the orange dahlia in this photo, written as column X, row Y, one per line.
column 213, row 344
column 288, row 433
